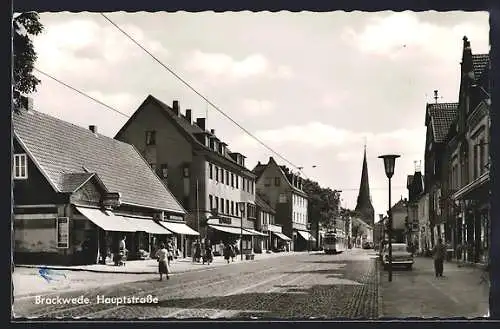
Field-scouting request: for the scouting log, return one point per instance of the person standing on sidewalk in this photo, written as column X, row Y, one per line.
column 439, row 253
column 162, row 256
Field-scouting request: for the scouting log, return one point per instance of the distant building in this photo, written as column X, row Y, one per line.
column 399, row 219
column 275, row 239
column 415, row 186
column 77, row 193
column 283, row 190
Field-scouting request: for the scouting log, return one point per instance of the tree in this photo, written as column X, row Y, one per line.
column 26, row 25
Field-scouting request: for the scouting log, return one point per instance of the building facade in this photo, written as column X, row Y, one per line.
column 212, row 182
column 467, row 201
column 415, row 186
column 274, row 239
column 283, row 190
column 77, row 193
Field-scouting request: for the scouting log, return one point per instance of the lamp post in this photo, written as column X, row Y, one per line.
column 389, row 163
column 242, row 211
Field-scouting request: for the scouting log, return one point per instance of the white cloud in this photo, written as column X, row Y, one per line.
column 218, row 65
column 84, row 45
column 402, row 34
column 255, row 107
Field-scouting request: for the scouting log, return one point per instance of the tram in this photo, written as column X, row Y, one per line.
column 333, row 243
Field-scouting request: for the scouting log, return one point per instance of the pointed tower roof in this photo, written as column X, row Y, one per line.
column 364, row 204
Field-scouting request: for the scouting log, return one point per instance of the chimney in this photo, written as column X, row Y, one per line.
column 175, row 107
column 93, row 129
column 436, row 96
column 188, row 115
column 201, row 123
column 29, row 104
column 212, row 131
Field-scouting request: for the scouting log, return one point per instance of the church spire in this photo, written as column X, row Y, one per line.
column 364, row 205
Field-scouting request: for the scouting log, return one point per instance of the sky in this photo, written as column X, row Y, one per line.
column 312, row 86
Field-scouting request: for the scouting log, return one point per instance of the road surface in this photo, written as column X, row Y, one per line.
column 301, row 286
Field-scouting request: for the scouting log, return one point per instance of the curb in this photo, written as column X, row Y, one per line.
column 59, row 268
column 380, row 300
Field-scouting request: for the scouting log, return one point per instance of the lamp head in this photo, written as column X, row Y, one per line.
column 241, row 205
column 389, row 163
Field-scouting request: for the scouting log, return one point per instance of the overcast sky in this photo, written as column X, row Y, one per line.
column 312, row 86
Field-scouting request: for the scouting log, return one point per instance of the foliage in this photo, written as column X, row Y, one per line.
column 323, row 203
column 25, row 26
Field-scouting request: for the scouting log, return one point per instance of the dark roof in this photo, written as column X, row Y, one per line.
column 479, row 63
column 259, row 169
column 441, row 116
column 72, row 181
column 401, row 204
column 60, row 148
column 189, row 129
column 263, row 205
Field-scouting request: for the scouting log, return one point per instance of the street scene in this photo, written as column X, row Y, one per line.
column 187, row 176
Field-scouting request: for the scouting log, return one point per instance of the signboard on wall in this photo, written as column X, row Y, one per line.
column 63, row 232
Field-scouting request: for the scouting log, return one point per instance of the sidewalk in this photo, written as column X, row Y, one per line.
column 462, row 292
column 28, row 281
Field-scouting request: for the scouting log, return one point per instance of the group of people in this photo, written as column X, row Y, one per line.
column 203, row 252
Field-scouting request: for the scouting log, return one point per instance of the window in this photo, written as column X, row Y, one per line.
column 20, row 166
column 222, row 175
column 277, row 181
column 232, row 207
column 216, row 174
column 243, row 183
column 221, row 206
column 211, row 169
column 227, row 207
column 150, row 137
column 237, row 209
column 482, row 162
column 267, row 182
column 237, row 181
column 227, row 178
column 251, row 189
column 211, row 201
column 232, row 180
column 216, row 204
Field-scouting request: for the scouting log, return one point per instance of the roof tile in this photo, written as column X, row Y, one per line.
column 61, row 148
column 442, row 116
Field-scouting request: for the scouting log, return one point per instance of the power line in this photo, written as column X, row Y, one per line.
column 81, row 92
column 196, row 92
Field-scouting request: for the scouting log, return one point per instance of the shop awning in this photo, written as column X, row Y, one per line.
column 179, row 228
column 282, row 236
column 306, row 235
column 230, row 229
column 254, row 232
column 146, row 225
column 107, row 220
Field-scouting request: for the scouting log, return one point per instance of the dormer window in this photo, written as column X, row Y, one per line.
column 20, row 166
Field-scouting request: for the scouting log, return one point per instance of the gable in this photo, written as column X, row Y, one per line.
column 91, row 193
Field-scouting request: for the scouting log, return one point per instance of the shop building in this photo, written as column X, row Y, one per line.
column 77, row 193
column 274, row 239
column 283, row 191
column 209, row 179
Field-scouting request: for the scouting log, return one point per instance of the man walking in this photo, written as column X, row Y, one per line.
column 439, row 253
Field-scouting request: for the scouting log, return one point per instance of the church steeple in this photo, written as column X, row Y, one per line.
column 364, row 205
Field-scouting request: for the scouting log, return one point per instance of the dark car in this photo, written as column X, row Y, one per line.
column 367, row 245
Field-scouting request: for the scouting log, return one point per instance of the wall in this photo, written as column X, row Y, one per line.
column 35, row 189
column 299, row 210
column 398, row 218
column 171, row 147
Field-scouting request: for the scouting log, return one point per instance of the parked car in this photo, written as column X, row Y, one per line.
column 367, row 245
column 401, row 256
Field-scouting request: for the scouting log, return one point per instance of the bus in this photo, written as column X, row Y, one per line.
column 333, row 243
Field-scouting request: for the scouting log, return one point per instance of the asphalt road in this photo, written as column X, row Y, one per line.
column 302, row 286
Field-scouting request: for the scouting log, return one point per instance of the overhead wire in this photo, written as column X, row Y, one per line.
column 187, row 84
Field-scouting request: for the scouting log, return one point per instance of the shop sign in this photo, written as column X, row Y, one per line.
column 175, row 217
column 225, row 220
column 62, row 232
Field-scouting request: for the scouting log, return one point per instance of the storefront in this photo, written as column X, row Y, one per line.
column 227, row 230
column 181, row 236
column 303, row 240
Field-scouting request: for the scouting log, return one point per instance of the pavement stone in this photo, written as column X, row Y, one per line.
column 463, row 292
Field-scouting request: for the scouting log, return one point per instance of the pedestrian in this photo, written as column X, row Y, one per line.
column 197, row 252
column 232, row 252
column 208, row 256
column 170, row 253
column 439, row 253
column 162, row 257
column 227, row 252
column 122, row 252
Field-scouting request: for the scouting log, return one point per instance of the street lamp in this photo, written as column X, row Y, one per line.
column 242, row 211
column 389, row 163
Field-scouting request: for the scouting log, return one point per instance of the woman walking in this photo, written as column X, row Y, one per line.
column 162, row 255
column 227, row 252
